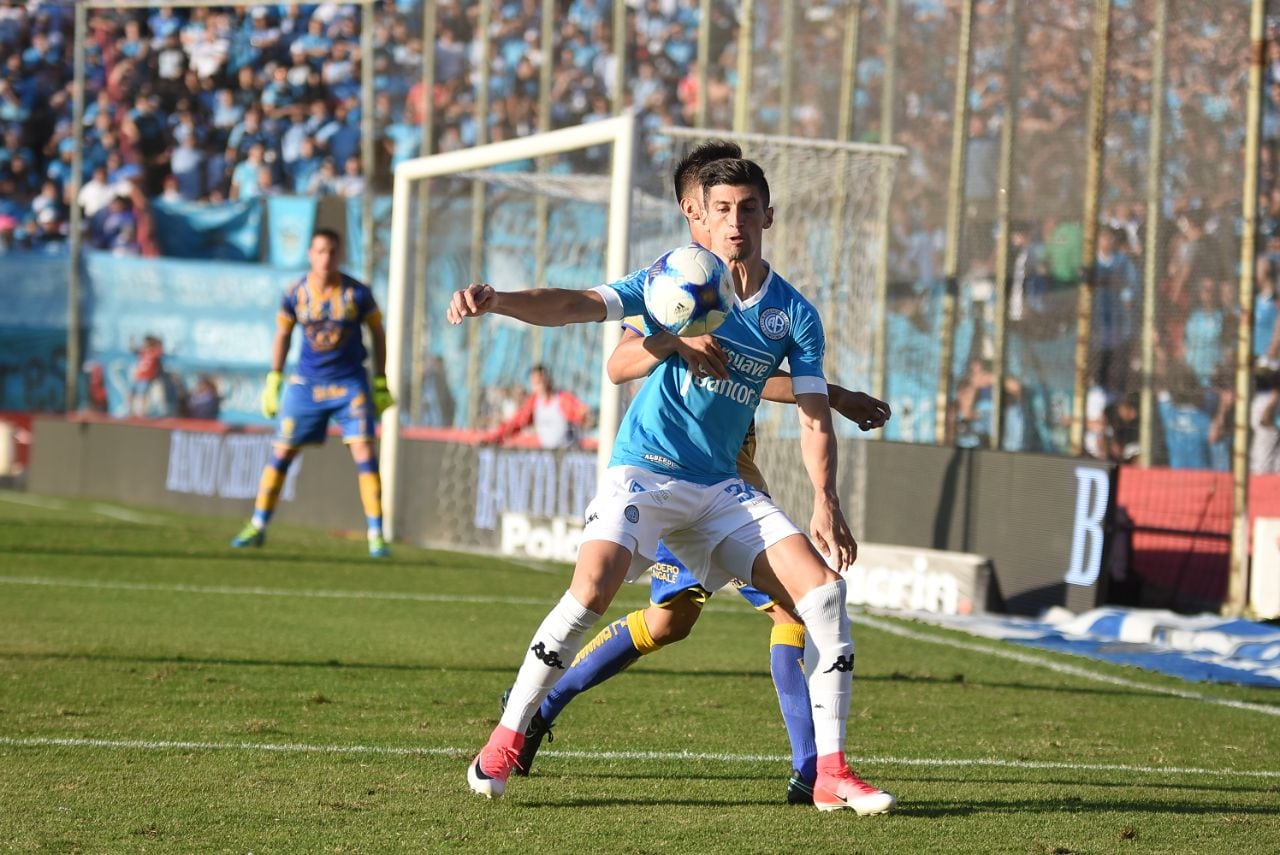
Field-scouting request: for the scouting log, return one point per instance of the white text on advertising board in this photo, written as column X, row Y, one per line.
column 225, row 465
column 916, row 589
column 1092, row 492
column 546, row 540
column 533, row 483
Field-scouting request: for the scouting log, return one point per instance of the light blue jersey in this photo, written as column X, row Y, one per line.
column 692, row 428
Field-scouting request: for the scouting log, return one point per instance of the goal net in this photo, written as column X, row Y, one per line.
column 581, row 206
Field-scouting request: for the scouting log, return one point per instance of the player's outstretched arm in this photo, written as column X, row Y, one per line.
column 543, row 307
column 828, row 528
column 864, row 410
column 636, row 355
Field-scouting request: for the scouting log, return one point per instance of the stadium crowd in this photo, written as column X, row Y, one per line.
column 207, row 104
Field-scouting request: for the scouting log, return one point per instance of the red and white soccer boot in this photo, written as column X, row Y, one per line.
column 846, row 791
column 488, row 773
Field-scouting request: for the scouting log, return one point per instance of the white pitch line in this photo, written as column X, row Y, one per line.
column 1059, row 667
column 118, row 513
column 32, row 501
column 100, row 508
column 394, row 751
column 271, row 592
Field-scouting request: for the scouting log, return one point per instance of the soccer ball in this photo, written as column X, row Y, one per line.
column 689, row 291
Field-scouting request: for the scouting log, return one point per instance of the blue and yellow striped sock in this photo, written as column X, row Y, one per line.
column 614, row 648
column 269, row 486
column 786, row 663
column 371, row 494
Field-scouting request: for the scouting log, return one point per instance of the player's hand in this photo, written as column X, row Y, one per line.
column 382, row 397
column 474, row 300
column 705, row 357
column 866, row 412
column 830, row 533
column 271, row 394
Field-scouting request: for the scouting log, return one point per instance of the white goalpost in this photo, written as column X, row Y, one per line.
column 620, row 132
column 579, row 206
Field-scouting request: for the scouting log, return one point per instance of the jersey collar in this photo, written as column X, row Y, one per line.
column 755, row 298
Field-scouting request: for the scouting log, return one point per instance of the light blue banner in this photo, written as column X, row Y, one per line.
column 35, row 289
column 215, row 318
column 230, row 231
column 290, row 222
column 32, row 368
column 354, row 263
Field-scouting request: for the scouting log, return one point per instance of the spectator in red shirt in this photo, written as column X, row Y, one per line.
column 146, row 370
column 555, row 416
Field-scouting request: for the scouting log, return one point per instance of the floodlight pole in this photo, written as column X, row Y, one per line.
column 1088, row 279
column 704, row 57
column 75, row 241
column 367, row 142
column 742, row 95
column 880, row 344
column 1005, row 191
column 955, row 221
column 1152, row 232
column 1238, row 568
column 419, row 336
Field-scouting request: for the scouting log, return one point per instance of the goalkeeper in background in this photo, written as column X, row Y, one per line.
column 330, row 383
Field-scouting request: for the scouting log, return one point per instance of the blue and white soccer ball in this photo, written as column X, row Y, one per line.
column 689, row 291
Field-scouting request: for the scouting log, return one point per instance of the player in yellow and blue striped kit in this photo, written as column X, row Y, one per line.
column 330, row 383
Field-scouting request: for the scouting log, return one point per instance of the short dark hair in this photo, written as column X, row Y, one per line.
column 735, row 172
column 331, row 234
column 686, row 174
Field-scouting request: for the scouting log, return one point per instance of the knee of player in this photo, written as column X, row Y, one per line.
column 782, row 615
column 674, row 623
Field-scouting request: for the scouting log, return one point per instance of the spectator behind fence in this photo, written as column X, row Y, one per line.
column 1186, row 424
column 556, row 417
column 437, row 400
column 203, row 401
column 1115, row 310
column 1123, row 430
column 351, row 183
column 148, row 370
column 1264, row 441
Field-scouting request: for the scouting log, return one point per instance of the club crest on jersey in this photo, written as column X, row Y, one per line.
column 632, row 513
column 775, row 323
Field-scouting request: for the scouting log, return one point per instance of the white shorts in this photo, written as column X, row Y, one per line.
column 715, row 531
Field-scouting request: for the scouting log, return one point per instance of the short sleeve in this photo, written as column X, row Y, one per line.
column 623, row 297
column 289, row 306
column 808, row 347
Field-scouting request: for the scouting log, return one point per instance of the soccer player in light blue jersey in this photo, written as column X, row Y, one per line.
column 676, row 597
column 330, row 383
column 673, row 478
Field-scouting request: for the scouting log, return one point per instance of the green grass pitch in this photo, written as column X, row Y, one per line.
column 160, row 692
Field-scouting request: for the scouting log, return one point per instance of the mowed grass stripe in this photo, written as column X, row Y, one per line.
column 661, row 756
column 865, row 620
column 254, row 591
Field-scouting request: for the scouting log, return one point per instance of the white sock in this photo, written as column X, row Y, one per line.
column 549, row 655
column 831, row 671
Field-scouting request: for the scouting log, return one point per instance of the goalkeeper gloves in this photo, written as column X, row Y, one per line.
column 382, row 398
column 271, row 394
